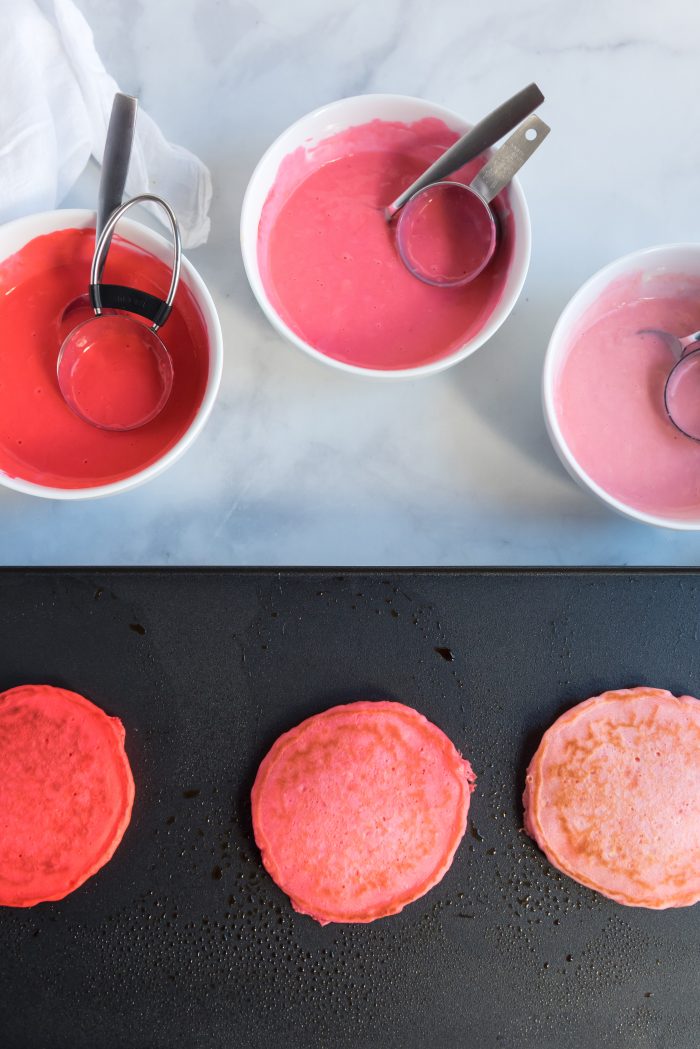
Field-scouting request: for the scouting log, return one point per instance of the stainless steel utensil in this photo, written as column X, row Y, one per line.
column 120, row 346
column 115, row 166
column 682, row 387
column 480, row 138
column 447, row 232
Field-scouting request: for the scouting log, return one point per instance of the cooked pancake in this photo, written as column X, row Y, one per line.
column 66, row 792
column 359, row 810
column 612, row 796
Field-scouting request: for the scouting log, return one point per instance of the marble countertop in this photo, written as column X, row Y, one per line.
column 302, row 464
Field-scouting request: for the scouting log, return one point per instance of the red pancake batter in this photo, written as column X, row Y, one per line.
column 359, row 810
column 114, row 371
column 66, row 792
column 41, row 439
column 328, row 259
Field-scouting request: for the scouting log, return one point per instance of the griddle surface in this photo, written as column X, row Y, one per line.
column 183, row 941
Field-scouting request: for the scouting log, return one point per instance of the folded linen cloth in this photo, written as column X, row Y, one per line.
column 56, row 102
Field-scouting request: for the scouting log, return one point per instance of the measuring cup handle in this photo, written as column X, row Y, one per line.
column 481, row 137
column 138, row 301
column 690, row 343
column 508, row 160
column 115, row 161
column 120, row 297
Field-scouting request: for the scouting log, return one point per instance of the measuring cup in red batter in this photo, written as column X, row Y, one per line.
column 113, row 370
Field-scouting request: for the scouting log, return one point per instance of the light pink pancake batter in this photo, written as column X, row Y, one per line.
column 609, row 396
column 328, row 258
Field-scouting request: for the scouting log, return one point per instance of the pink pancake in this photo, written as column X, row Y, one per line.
column 612, row 796
column 359, row 810
column 66, row 792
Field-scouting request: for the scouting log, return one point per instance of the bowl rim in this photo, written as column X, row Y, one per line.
column 249, row 246
column 568, row 316
column 40, row 223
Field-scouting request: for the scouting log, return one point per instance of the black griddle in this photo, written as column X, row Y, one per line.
column 183, row 941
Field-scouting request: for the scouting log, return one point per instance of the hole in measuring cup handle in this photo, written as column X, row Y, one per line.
column 120, row 297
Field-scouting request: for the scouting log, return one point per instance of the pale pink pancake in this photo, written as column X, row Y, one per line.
column 359, row 810
column 612, row 796
column 66, row 792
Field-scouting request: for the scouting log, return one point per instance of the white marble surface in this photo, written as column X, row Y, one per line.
column 301, row 464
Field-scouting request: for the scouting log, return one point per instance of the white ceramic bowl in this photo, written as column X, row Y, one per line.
column 14, row 235
column 650, row 262
column 328, row 120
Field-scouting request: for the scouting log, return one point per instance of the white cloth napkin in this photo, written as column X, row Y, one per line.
column 55, row 102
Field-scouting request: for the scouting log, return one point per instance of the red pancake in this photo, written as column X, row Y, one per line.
column 66, row 792
column 612, row 796
column 359, row 810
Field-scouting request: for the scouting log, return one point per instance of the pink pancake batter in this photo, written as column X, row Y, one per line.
column 328, row 258
column 445, row 234
column 41, row 440
column 609, row 396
